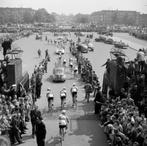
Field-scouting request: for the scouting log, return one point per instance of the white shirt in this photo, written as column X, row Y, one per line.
column 140, row 56
column 49, row 95
column 63, row 93
column 74, row 89
column 63, row 119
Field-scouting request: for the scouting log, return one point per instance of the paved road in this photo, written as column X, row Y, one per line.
column 84, row 127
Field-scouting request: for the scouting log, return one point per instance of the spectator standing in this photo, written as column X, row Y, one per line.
column 40, row 132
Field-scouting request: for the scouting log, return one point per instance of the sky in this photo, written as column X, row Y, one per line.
column 78, row 6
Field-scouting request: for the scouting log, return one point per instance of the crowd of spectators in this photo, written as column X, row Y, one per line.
column 15, row 105
column 123, row 115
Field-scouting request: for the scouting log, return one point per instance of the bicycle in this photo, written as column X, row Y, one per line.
column 87, row 96
column 50, row 104
column 63, row 103
column 62, row 133
column 74, row 98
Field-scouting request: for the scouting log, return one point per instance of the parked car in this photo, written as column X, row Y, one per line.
column 120, row 45
column 109, row 41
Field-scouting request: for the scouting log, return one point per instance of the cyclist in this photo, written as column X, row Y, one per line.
column 71, row 63
column 50, row 98
column 74, row 91
column 64, row 62
column 63, row 94
column 75, row 71
column 63, row 123
column 39, row 53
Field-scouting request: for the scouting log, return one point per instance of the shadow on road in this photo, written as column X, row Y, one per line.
column 87, row 125
column 54, row 141
column 26, row 137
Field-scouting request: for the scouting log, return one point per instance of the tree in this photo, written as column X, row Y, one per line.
column 28, row 17
column 41, row 15
column 50, row 18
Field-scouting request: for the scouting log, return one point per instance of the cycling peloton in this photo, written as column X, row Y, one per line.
column 50, row 98
column 63, row 94
column 74, row 91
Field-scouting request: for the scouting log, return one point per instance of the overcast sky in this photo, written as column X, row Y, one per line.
column 78, row 6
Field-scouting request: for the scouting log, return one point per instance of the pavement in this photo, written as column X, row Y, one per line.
column 84, row 129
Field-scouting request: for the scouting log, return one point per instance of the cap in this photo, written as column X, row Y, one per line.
column 63, row 111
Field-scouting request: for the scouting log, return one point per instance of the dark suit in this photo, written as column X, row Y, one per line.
column 99, row 98
column 40, row 133
column 34, row 114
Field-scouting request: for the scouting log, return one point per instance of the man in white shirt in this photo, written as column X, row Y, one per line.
column 50, row 98
column 141, row 59
column 74, row 91
column 63, row 123
column 63, row 94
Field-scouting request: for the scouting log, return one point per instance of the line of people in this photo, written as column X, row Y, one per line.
column 36, row 79
column 88, row 75
column 15, row 106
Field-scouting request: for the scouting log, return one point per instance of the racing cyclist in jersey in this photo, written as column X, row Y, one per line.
column 75, row 71
column 50, row 98
column 64, row 62
column 63, row 123
column 74, row 91
column 71, row 63
column 63, row 94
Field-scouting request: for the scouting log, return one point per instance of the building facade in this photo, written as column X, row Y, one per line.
column 110, row 17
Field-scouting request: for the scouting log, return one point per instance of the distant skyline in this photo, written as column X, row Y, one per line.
column 78, row 6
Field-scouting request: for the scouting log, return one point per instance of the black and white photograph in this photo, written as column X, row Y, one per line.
column 73, row 73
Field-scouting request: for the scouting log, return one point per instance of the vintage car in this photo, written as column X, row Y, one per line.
column 120, row 45
column 59, row 74
column 60, row 51
column 38, row 37
column 100, row 38
column 109, row 41
column 90, row 47
column 83, row 48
